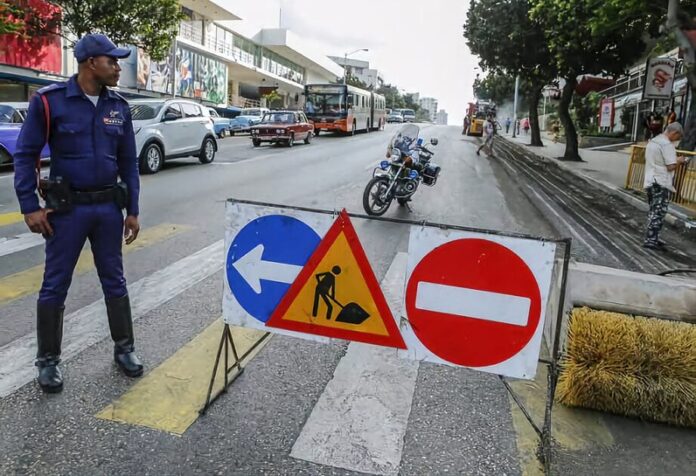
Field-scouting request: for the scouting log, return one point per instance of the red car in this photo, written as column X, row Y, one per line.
column 282, row 127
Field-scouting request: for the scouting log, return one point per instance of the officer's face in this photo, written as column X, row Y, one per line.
column 106, row 70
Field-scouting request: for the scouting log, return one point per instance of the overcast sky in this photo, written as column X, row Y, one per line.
column 418, row 45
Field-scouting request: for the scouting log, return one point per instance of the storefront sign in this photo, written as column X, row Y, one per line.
column 606, row 113
column 659, row 77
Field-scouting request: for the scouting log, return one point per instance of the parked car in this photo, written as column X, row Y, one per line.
column 243, row 123
column 171, row 128
column 12, row 115
column 221, row 125
column 395, row 116
column 282, row 127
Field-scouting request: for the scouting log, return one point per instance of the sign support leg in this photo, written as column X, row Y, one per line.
column 227, row 343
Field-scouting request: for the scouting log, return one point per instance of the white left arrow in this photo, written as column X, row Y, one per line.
column 253, row 269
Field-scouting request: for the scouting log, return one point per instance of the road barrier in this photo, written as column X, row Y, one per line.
column 684, row 178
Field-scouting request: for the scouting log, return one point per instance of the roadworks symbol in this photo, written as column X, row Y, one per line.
column 337, row 295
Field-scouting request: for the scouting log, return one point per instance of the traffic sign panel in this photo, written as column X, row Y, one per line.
column 266, row 248
column 336, row 294
column 477, row 300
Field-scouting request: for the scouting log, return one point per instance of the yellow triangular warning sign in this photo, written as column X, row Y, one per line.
column 336, row 294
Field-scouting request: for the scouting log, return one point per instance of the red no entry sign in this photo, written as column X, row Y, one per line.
column 473, row 302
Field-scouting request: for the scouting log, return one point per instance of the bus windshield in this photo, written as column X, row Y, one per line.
column 325, row 104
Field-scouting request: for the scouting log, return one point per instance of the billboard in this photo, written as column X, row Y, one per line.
column 659, row 77
column 195, row 76
column 606, row 113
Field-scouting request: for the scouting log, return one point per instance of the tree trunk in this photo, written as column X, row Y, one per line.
column 571, row 151
column 534, row 98
column 689, row 140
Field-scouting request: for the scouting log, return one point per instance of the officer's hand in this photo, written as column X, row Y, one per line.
column 131, row 227
column 38, row 221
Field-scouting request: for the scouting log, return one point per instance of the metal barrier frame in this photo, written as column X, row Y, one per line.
column 545, row 449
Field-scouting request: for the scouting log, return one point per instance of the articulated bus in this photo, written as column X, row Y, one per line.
column 344, row 108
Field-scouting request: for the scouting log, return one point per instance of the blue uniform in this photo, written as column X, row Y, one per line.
column 91, row 147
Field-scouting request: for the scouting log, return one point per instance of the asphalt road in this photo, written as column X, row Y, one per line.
column 460, row 422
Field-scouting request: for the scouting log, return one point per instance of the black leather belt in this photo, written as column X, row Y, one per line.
column 87, row 197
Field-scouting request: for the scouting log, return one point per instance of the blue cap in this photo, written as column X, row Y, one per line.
column 94, row 44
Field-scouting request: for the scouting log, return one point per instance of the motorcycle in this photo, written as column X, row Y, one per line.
column 399, row 177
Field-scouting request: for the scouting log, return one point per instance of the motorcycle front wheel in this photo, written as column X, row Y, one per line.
column 373, row 201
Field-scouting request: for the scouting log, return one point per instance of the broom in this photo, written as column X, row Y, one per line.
column 634, row 366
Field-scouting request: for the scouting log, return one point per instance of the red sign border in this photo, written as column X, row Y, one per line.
column 341, row 225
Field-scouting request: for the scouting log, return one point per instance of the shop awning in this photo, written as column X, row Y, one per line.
column 588, row 84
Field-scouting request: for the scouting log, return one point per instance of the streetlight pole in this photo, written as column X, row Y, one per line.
column 345, row 62
column 514, row 107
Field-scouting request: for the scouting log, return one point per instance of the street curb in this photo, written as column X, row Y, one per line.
column 674, row 218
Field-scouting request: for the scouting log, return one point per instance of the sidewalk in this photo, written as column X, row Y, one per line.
column 607, row 169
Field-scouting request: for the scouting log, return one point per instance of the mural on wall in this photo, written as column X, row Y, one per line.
column 129, row 68
column 196, row 76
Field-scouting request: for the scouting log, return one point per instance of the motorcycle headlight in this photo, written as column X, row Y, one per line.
column 384, row 165
column 413, row 174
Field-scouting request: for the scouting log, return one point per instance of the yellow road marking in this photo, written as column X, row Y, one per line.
column 29, row 281
column 10, row 218
column 573, row 429
column 169, row 398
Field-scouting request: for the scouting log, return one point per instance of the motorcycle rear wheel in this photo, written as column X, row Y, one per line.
column 372, row 203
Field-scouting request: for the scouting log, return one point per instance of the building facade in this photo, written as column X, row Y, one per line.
column 430, row 104
column 361, row 70
column 442, row 117
column 209, row 61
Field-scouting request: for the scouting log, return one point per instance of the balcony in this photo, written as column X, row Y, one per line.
column 192, row 31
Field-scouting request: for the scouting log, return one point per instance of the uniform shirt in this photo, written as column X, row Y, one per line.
column 658, row 155
column 91, row 146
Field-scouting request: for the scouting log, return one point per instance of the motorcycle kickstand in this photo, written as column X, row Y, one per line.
column 408, row 207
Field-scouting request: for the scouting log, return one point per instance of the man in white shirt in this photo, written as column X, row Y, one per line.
column 661, row 161
column 489, row 131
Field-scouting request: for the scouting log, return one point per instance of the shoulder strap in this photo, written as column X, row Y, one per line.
column 47, row 118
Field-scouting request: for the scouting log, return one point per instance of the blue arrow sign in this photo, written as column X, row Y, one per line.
column 265, row 258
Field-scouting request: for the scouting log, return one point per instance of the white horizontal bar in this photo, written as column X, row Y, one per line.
column 473, row 303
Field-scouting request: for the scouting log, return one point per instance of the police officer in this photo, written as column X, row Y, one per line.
column 90, row 133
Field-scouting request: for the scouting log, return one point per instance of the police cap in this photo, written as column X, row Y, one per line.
column 94, row 44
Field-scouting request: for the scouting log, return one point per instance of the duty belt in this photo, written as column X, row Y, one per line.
column 90, row 196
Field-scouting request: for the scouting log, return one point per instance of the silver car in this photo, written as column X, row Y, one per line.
column 171, row 128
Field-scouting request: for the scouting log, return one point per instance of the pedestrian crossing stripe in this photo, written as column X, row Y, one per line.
column 336, row 294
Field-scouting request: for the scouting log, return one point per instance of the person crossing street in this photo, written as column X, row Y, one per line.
column 90, row 133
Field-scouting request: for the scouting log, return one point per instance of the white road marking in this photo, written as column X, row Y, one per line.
column 19, row 243
column 253, row 269
column 88, row 325
column 360, row 420
column 473, row 303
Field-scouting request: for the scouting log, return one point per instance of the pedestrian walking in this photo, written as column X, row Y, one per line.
column 661, row 161
column 508, row 122
column 467, row 124
column 489, row 132
column 89, row 129
column 671, row 117
column 525, row 125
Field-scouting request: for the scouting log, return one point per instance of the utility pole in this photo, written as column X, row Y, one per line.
column 514, row 107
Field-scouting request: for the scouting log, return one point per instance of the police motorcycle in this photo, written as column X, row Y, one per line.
column 398, row 177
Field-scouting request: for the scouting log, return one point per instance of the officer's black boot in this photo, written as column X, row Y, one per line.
column 121, row 325
column 49, row 335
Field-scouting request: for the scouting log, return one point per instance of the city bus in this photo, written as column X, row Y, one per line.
column 344, row 108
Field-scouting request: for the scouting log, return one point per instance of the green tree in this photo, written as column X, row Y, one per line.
column 510, row 43
column 28, row 26
column 354, row 81
column 148, row 24
column 392, row 96
column 680, row 31
column 11, row 18
column 499, row 88
column 580, row 45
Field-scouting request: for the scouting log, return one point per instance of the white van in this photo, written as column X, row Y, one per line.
column 254, row 111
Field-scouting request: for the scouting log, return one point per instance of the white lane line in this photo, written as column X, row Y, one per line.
column 473, row 303
column 88, row 325
column 360, row 420
column 19, row 243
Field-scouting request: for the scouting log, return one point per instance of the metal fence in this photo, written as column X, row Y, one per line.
column 684, row 178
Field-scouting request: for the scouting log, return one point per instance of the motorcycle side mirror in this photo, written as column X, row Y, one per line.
column 434, row 141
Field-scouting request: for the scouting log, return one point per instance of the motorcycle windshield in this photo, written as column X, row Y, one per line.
column 405, row 137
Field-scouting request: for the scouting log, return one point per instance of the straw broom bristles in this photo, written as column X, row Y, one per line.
column 634, row 366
